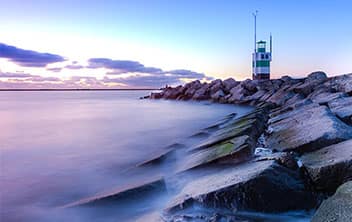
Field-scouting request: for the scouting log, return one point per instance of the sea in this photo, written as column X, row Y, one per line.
column 59, row 147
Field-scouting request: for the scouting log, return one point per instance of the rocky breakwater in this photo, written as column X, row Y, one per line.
column 305, row 127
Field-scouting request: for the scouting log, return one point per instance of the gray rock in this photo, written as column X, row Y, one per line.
column 325, row 97
column 129, row 193
column 305, row 129
column 215, row 86
column 256, row 96
column 314, row 76
column 313, row 80
column 281, row 96
column 329, row 167
column 257, row 186
column 217, row 95
column 158, row 95
column 237, row 94
column 341, row 83
column 337, row 208
column 229, row 84
column 202, row 93
column 342, row 107
column 234, row 150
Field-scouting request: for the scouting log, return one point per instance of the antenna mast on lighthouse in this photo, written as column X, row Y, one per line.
column 261, row 58
column 255, row 30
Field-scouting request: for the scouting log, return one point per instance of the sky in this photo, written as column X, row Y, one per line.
column 151, row 43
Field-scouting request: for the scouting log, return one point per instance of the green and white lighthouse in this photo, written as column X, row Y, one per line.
column 261, row 58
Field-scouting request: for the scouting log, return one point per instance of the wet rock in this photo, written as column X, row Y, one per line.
column 316, row 76
column 305, row 129
column 329, row 167
column 173, row 93
column 128, row 193
column 237, row 94
column 314, row 79
column 234, row 150
column 250, row 85
column 342, row 107
column 229, row 84
column 159, row 158
column 251, row 124
column 342, row 83
column 158, row 95
column 325, row 97
column 250, row 186
column 191, row 88
column 215, row 86
column 202, row 93
column 256, row 96
column 218, row 95
column 281, row 96
column 337, row 208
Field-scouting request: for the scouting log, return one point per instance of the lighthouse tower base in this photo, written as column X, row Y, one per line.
column 260, row 76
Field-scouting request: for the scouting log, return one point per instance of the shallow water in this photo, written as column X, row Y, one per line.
column 60, row 147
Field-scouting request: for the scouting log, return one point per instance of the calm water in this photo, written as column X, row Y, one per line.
column 59, row 147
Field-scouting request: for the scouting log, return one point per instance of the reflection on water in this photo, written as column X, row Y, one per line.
column 59, row 147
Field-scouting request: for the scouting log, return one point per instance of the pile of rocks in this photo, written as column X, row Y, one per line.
column 308, row 119
column 303, row 124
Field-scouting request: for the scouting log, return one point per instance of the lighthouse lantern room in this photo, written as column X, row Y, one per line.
column 261, row 58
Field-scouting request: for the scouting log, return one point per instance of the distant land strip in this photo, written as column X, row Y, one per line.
column 77, row 89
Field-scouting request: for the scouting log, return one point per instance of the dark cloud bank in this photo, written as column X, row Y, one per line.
column 142, row 76
column 28, row 58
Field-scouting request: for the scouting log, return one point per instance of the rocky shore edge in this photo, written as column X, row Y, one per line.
column 292, row 152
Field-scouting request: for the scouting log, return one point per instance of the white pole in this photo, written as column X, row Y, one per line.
column 255, row 30
column 271, row 42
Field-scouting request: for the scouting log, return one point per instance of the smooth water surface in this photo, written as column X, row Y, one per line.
column 57, row 147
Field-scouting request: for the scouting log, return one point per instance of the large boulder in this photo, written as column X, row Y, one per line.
column 329, row 167
column 132, row 192
column 202, row 93
column 191, row 88
column 229, row 84
column 237, row 94
column 325, row 97
column 217, row 95
column 341, row 83
column 307, row 128
column 215, row 86
column 173, row 93
column 342, row 107
column 337, row 208
column 313, row 80
column 259, row 185
column 281, row 96
column 234, row 150
column 316, row 76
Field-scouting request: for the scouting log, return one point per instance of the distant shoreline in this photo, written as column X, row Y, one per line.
column 76, row 89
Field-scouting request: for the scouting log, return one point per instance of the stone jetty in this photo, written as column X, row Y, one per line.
column 293, row 151
column 305, row 128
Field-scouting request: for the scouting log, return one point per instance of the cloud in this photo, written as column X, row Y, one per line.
column 74, row 66
column 14, row 75
column 28, row 58
column 121, row 66
column 54, row 69
column 43, row 79
column 142, row 75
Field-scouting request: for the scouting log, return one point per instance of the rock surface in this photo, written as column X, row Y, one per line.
column 252, row 186
column 329, row 167
column 306, row 119
column 337, row 208
column 306, row 129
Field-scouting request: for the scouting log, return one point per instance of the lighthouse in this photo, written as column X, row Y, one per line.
column 261, row 58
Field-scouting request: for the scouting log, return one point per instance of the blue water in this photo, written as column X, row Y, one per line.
column 58, row 147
